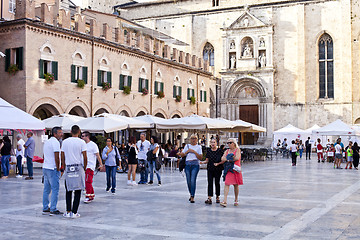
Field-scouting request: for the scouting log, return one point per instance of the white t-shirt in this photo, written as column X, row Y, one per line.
column 51, row 147
column 73, row 148
column 191, row 156
column 338, row 148
column 92, row 150
column 22, row 149
column 293, row 148
column 143, row 149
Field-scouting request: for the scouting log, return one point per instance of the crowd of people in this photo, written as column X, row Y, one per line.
column 335, row 153
column 77, row 158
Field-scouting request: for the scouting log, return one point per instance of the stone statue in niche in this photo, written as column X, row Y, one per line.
column 247, row 53
column 232, row 62
column 246, row 22
column 262, row 42
column 262, row 60
column 232, row 45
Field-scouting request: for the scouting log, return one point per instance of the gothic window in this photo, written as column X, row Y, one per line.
column 12, row 4
column 208, row 54
column 326, row 67
column 215, row 3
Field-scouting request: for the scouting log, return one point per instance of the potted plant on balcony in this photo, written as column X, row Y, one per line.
column 13, row 69
column 160, row 94
column 80, row 83
column 178, row 98
column 192, row 100
column 106, row 86
column 49, row 78
column 144, row 91
column 127, row 90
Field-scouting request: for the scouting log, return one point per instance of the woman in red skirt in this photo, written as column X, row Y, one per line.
column 232, row 174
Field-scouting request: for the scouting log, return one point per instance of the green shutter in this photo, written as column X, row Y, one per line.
column 7, row 59
column 193, row 92
column 188, row 93
column 109, row 78
column 204, row 96
column 129, row 81
column 85, row 74
column 140, row 85
column 99, row 79
column 180, row 91
column 147, row 84
column 201, row 97
column 162, row 87
column 121, row 85
column 174, row 91
column 55, row 70
column 156, row 87
column 41, row 68
column 73, row 70
column 21, row 58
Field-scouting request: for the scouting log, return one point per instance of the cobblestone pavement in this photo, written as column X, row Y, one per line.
column 277, row 201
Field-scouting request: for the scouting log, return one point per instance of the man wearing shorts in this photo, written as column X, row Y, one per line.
column 338, row 154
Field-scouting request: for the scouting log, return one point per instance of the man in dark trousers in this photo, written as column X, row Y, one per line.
column 308, row 148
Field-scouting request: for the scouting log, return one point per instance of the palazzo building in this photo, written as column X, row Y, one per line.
column 90, row 63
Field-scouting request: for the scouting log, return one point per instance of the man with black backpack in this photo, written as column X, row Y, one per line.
column 308, row 148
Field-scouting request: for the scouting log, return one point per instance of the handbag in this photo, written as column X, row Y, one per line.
column 117, row 158
column 237, row 168
column 297, row 153
column 157, row 164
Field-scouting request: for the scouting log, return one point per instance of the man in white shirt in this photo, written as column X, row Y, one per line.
column 143, row 147
column 51, row 172
column 74, row 159
column 19, row 154
column 92, row 152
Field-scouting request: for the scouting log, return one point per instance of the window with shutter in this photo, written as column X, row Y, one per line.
column 174, row 91
column 121, row 84
column 156, row 87
column 193, row 92
column 147, row 84
column 73, row 73
column 54, row 68
column 204, row 96
column 41, row 68
column 162, row 86
column 109, row 78
column 129, row 80
column 85, row 72
column 99, row 82
column 140, row 85
column 20, row 59
column 180, row 91
column 201, row 97
column 188, row 93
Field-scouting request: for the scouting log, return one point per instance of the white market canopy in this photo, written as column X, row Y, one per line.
column 310, row 130
column 150, row 119
column 249, row 127
column 289, row 129
column 336, row 128
column 107, row 123
column 194, row 122
column 12, row 117
column 61, row 120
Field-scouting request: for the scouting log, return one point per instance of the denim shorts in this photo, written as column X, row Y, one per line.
column 338, row 155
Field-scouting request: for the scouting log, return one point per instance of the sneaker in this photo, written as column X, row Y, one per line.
column 87, row 200
column 29, row 178
column 159, row 183
column 67, row 215
column 151, row 182
column 107, row 189
column 56, row 212
column 113, row 192
column 134, row 183
column 129, row 182
column 46, row 212
column 75, row 215
column 19, row 176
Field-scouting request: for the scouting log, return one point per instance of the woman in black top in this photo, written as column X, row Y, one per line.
column 5, row 156
column 355, row 149
column 213, row 155
column 132, row 160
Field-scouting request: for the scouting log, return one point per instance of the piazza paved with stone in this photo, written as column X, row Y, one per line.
column 277, row 201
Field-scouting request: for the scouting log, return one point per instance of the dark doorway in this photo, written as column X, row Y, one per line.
column 249, row 113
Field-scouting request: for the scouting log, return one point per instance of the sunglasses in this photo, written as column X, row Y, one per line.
column 230, row 142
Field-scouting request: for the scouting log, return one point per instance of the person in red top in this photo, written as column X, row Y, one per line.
column 319, row 149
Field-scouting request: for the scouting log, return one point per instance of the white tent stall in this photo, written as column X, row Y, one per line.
column 289, row 132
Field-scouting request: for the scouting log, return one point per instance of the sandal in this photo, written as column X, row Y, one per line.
column 217, row 200
column 236, row 204
column 223, row 204
column 208, row 201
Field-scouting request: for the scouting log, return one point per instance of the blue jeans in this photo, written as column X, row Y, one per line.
column 111, row 178
column 5, row 164
column 51, row 185
column 191, row 172
column 301, row 152
column 152, row 168
column 29, row 163
column 19, row 164
column 144, row 174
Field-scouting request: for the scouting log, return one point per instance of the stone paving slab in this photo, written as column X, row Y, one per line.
column 277, row 201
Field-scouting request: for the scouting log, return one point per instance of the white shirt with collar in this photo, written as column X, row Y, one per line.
column 51, row 147
column 143, row 148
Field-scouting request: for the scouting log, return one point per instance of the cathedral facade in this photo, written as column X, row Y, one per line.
column 278, row 62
